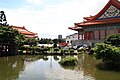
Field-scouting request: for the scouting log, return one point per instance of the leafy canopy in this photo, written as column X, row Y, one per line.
column 9, row 35
column 113, row 40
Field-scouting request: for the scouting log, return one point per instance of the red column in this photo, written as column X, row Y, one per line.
column 78, row 36
column 118, row 30
column 99, row 34
column 85, row 35
column 88, row 35
column 93, row 35
column 105, row 33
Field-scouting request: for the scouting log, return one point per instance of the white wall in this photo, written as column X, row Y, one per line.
column 72, row 37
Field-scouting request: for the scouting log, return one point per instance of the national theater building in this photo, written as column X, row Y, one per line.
column 94, row 29
column 25, row 32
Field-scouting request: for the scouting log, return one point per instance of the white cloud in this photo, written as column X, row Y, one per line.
column 54, row 19
column 36, row 2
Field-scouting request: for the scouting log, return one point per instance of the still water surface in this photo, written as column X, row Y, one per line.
column 39, row 67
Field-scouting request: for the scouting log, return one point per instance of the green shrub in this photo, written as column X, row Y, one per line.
column 109, row 54
column 71, row 50
column 113, row 40
column 56, row 49
column 69, row 61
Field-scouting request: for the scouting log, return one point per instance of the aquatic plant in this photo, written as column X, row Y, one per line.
column 69, row 61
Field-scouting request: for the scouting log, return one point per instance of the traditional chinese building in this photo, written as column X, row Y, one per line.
column 25, row 32
column 22, row 30
column 95, row 28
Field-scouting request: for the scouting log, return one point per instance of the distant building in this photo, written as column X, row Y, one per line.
column 72, row 39
column 59, row 36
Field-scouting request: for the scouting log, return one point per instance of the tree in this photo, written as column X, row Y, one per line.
column 58, row 41
column 108, row 53
column 45, row 41
column 113, row 39
column 10, row 38
column 31, row 41
column 61, row 40
column 55, row 41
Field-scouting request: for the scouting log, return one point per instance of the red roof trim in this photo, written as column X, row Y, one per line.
column 88, row 18
column 95, row 22
column 92, row 19
column 29, row 31
column 23, row 28
column 75, row 28
column 17, row 27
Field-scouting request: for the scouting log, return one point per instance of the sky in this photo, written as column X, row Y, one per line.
column 49, row 18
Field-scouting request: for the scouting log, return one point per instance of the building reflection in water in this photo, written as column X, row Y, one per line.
column 47, row 67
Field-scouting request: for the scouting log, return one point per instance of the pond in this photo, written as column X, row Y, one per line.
column 40, row 67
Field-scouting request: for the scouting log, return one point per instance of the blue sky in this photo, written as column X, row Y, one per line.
column 11, row 3
column 49, row 18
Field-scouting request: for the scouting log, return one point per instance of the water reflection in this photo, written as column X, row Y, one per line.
column 42, row 67
column 10, row 67
column 87, row 64
column 56, row 58
column 45, row 58
column 26, row 67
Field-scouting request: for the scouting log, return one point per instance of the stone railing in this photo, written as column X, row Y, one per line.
column 87, row 42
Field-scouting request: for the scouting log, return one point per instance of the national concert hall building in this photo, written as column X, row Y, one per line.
column 94, row 29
